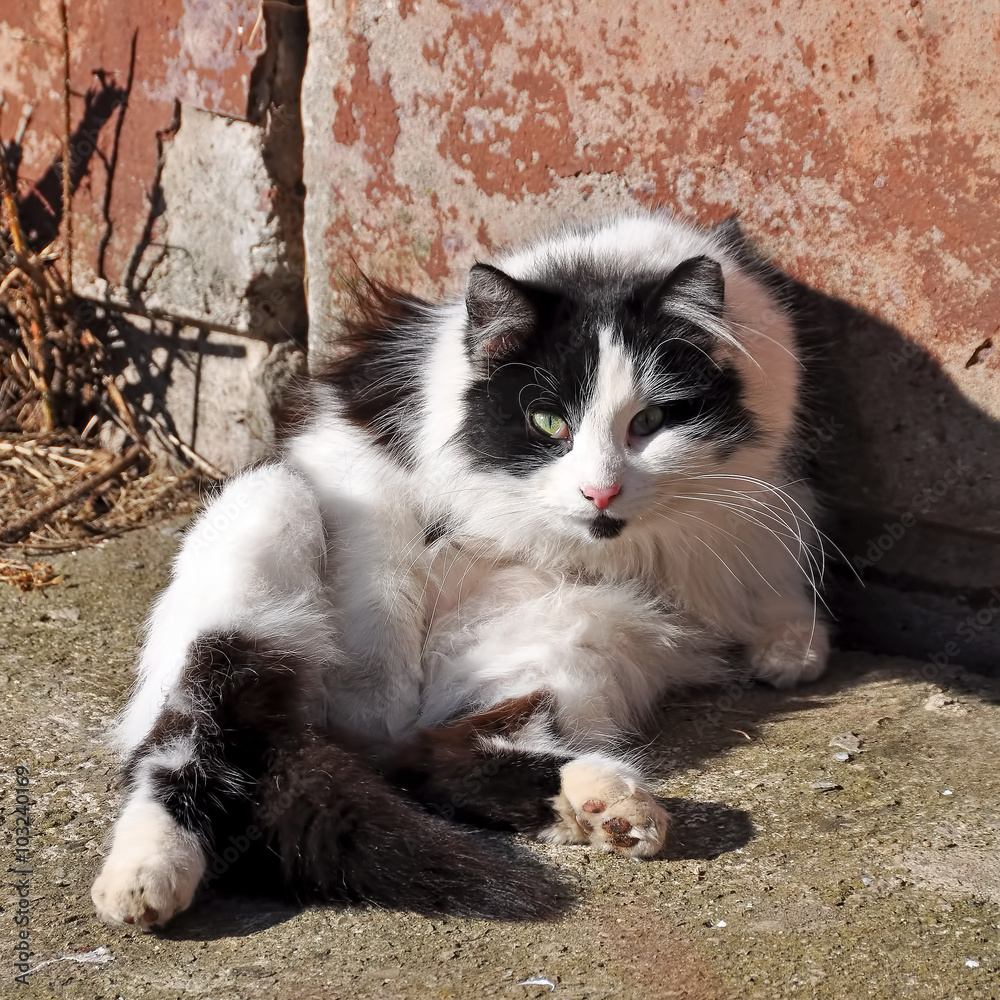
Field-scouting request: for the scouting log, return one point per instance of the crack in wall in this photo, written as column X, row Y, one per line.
column 273, row 103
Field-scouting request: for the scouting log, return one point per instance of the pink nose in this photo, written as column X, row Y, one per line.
column 601, row 496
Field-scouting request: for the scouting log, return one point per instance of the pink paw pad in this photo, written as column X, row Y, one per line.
column 618, row 829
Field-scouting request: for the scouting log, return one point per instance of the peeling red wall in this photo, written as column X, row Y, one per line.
column 858, row 142
column 193, row 51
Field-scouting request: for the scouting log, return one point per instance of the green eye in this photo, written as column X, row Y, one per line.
column 550, row 424
column 647, row 421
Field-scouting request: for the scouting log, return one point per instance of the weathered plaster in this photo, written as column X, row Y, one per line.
column 178, row 210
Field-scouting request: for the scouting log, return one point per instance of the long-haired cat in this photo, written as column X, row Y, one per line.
column 511, row 522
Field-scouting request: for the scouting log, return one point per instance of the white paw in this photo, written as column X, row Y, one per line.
column 604, row 806
column 152, row 871
column 791, row 652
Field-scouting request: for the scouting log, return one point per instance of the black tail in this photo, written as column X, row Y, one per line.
column 286, row 808
column 343, row 833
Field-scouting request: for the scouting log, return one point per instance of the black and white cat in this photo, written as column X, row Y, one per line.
column 510, row 524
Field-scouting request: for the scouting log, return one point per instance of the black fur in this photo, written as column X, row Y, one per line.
column 343, row 833
column 376, row 377
column 535, row 346
column 458, row 774
column 436, row 530
column 606, row 526
column 546, row 356
column 281, row 807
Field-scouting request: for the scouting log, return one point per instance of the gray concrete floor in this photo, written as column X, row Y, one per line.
column 885, row 885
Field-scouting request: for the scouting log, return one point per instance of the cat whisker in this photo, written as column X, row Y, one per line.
column 746, row 559
column 774, row 514
column 706, row 543
column 785, row 497
column 754, row 332
column 781, row 492
column 810, row 569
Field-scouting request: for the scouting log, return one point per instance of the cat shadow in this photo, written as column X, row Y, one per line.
column 250, row 900
column 902, row 461
column 701, row 831
column 223, row 915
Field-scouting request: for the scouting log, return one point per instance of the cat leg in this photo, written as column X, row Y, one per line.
column 250, row 569
column 251, row 563
column 379, row 576
column 604, row 654
column 158, row 852
column 192, row 780
column 793, row 646
column 506, row 768
column 763, row 588
column 786, row 635
column 153, row 869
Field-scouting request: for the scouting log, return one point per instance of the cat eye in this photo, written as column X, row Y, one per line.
column 550, row 424
column 647, row 421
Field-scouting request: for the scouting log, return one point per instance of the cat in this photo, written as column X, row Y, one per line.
column 508, row 525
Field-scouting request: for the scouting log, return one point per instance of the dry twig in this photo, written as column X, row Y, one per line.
column 36, row 471
column 19, row 529
column 28, row 576
column 59, row 488
column 67, row 179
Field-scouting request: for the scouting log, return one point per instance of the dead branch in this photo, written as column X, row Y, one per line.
column 28, row 576
column 19, row 529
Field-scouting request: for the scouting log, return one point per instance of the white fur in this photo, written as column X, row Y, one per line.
column 153, row 869
column 252, row 563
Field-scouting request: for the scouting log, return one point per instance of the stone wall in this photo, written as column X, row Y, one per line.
column 858, row 142
column 186, row 221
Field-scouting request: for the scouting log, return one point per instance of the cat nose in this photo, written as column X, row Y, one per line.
column 601, row 496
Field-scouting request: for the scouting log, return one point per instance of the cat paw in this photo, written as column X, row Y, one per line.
column 790, row 653
column 152, row 871
column 606, row 808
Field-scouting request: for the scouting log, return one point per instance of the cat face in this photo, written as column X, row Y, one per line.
column 592, row 387
column 593, row 394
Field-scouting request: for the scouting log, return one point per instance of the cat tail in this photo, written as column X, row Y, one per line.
column 333, row 827
column 342, row 833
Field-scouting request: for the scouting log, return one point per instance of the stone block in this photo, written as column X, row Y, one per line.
column 217, row 392
column 219, row 239
column 129, row 64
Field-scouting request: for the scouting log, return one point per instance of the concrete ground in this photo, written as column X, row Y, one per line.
column 791, row 873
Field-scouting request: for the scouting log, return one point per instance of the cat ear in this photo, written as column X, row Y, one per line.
column 502, row 311
column 696, row 285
